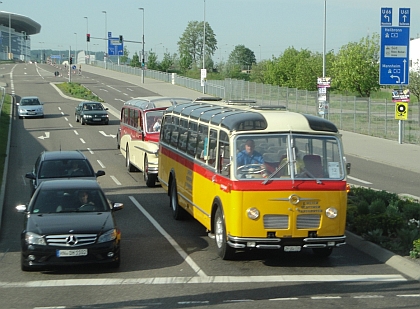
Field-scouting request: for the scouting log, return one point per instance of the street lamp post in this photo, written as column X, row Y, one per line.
column 106, row 40
column 142, row 51
column 75, row 51
column 42, row 54
column 87, row 43
column 204, row 73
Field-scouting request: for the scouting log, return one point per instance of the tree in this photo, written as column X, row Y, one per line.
column 152, row 62
column 124, row 57
column 356, row 67
column 185, row 62
column 166, row 62
column 191, row 41
column 135, row 62
column 415, row 84
column 242, row 57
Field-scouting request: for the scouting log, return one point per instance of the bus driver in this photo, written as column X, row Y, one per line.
column 249, row 155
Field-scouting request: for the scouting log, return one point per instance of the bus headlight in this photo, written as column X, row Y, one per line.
column 253, row 213
column 331, row 212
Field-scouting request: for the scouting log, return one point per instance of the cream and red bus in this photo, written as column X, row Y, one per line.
column 138, row 134
column 290, row 194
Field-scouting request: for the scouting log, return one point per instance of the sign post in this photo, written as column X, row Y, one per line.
column 394, row 59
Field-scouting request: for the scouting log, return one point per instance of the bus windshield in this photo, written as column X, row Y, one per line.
column 285, row 156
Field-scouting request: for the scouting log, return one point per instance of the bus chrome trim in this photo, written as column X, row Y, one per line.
column 194, row 205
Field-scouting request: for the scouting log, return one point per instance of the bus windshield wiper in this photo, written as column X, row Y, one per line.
column 275, row 172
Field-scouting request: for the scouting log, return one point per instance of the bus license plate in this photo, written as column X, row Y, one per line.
column 292, row 248
column 70, row 253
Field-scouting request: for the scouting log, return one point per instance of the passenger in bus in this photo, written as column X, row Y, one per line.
column 249, row 155
column 157, row 124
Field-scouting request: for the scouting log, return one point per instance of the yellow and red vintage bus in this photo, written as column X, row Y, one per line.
column 256, row 177
column 138, row 134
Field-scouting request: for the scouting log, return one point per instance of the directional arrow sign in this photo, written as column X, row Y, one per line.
column 107, row 135
column 394, row 61
column 47, row 135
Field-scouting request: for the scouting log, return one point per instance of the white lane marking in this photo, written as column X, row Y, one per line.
column 116, row 180
column 368, row 296
column 359, row 180
column 75, row 132
column 409, row 295
column 103, row 90
column 66, row 118
column 90, row 150
column 59, row 108
column 47, row 135
column 286, row 298
column 172, row 241
column 71, row 126
column 114, row 88
column 82, row 140
column 107, row 135
column 201, row 280
column 325, row 297
column 100, row 163
column 119, row 100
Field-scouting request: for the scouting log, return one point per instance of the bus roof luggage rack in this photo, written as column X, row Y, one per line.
column 240, row 102
column 208, row 99
column 270, row 107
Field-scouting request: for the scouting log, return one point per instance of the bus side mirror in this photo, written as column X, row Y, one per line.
column 348, row 167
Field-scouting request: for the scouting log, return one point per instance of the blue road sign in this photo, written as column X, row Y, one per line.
column 115, row 48
column 404, row 17
column 386, row 17
column 394, row 61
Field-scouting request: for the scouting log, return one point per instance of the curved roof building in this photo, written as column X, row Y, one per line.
column 15, row 32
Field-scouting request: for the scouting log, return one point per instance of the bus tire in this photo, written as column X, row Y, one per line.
column 130, row 167
column 322, row 252
column 150, row 179
column 177, row 212
column 225, row 251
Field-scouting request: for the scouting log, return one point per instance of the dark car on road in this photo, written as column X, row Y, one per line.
column 69, row 222
column 61, row 165
column 91, row 112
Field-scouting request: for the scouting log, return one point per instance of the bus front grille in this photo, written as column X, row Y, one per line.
column 308, row 221
column 276, row 222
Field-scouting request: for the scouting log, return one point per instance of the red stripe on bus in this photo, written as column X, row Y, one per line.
column 256, row 185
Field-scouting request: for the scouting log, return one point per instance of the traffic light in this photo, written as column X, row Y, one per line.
column 121, row 38
column 71, row 60
column 88, row 37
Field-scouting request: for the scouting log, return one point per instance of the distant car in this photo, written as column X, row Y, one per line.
column 61, row 164
column 61, row 229
column 91, row 112
column 30, row 107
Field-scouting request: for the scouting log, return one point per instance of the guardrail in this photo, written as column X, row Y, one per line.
column 349, row 113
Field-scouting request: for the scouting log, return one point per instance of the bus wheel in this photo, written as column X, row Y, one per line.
column 177, row 212
column 150, row 179
column 225, row 251
column 322, row 252
column 128, row 164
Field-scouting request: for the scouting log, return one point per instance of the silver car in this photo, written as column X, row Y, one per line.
column 30, row 107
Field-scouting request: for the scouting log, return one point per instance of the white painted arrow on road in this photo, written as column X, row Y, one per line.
column 107, row 135
column 47, row 135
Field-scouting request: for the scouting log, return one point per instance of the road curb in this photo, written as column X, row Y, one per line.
column 403, row 265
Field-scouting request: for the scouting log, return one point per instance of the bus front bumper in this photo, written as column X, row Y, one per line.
column 278, row 243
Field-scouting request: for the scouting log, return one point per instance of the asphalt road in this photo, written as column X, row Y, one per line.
column 165, row 263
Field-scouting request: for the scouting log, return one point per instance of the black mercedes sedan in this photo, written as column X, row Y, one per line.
column 69, row 222
column 91, row 112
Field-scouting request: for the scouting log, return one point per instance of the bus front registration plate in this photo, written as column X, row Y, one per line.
column 292, row 248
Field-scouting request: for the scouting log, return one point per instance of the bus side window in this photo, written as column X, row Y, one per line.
column 223, row 166
column 166, row 129
column 201, row 139
column 212, row 153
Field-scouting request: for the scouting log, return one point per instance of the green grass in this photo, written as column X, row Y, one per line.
column 4, row 132
column 78, row 91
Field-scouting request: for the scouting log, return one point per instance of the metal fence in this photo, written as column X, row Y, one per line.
column 349, row 113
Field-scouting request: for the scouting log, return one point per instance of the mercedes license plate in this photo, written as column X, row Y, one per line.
column 97, row 119
column 292, row 248
column 70, row 253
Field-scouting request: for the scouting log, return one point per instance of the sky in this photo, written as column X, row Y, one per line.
column 267, row 27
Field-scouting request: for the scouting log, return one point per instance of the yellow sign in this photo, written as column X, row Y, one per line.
column 401, row 110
